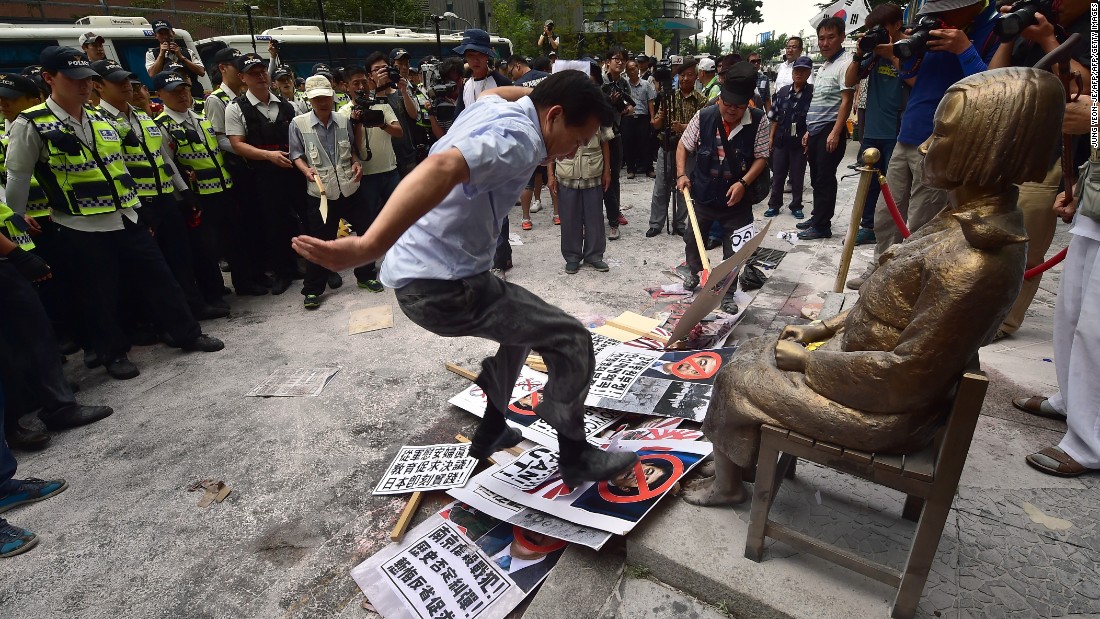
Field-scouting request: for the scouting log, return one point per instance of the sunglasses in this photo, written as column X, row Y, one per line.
column 755, row 61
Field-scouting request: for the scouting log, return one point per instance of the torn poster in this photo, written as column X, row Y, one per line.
column 488, row 502
column 436, row 572
column 526, row 396
column 674, row 384
column 425, row 468
column 294, row 382
column 615, row 505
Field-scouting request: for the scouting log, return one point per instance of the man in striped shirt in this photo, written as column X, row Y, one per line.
column 826, row 134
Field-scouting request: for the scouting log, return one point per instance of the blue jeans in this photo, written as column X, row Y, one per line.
column 886, row 147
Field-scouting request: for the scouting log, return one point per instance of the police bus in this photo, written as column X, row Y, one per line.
column 301, row 47
column 125, row 39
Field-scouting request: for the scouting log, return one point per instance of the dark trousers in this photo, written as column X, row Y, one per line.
column 886, row 147
column 730, row 218
column 502, row 258
column 788, row 158
column 33, row 364
column 241, row 239
column 823, row 165
column 488, row 307
column 636, row 144
column 611, row 195
column 280, row 194
column 353, row 209
column 101, row 263
column 56, row 293
column 205, row 240
column 164, row 216
column 7, row 462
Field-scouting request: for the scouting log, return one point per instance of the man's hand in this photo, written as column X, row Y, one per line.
column 950, row 40
column 356, row 172
column 832, row 141
column 279, row 158
column 658, row 118
column 552, row 184
column 886, row 50
column 790, row 356
column 629, row 111
column 335, row 255
column 806, row 334
column 272, row 51
column 806, row 143
column 606, row 178
column 1065, row 207
column 310, row 173
column 29, row 265
column 735, row 193
column 32, row 224
column 1042, row 31
column 165, row 48
column 683, row 182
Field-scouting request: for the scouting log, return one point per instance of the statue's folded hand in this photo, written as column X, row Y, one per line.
column 790, row 356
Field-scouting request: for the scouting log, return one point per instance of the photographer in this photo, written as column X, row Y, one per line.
column 876, row 62
column 677, row 108
column 413, row 102
column 618, row 89
column 1035, row 199
column 961, row 46
column 637, row 132
column 374, row 147
column 168, row 51
column 548, row 41
column 385, row 82
column 447, row 93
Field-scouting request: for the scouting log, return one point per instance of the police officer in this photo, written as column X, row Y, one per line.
column 258, row 126
column 168, row 51
column 149, row 162
column 284, row 85
column 77, row 156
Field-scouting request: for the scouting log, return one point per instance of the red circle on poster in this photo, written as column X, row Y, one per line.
column 696, row 364
column 519, row 408
column 644, row 492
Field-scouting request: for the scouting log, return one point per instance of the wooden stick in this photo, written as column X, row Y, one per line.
column 698, row 233
column 324, row 198
column 406, row 517
column 461, row 371
column 649, row 334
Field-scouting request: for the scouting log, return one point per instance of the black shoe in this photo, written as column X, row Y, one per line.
column 679, row 231
column 28, row 440
column 251, row 290
column 729, row 306
column 279, row 285
column 209, row 312
column 75, row 416
column 335, row 281
column 815, row 233
column 572, row 267
column 804, row 225
column 600, row 266
column 120, row 368
column 92, row 359
column 692, row 282
column 482, row 447
column 203, row 343
column 652, row 232
column 595, row 465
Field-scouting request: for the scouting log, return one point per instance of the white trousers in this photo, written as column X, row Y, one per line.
column 1077, row 351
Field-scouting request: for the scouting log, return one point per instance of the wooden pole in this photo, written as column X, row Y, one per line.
column 324, row 198
column 866, row 176
column 698, row 235
column 406, row 517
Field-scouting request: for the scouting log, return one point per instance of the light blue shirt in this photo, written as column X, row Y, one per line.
column 502, row 144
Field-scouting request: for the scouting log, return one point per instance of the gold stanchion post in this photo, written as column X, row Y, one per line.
column 866, row 177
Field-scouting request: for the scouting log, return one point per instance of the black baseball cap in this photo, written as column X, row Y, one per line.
column 168, row 80
column 282, row 71
column 249, row 60
column 67, row 60
column 161, row 24
column 229, row 54
column 17, row 86
column 322, row 69
column 739, row 83
column 112, row 71
column 398, row 53
column 175, row 67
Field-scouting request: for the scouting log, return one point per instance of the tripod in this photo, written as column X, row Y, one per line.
column 667, row 98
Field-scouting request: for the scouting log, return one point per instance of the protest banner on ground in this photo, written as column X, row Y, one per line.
column 673, row 384
column 615, row 505
column 437, row 572
column 428, row 467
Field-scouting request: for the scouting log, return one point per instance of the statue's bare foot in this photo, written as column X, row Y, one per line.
column 705, row 469
column 709, row 493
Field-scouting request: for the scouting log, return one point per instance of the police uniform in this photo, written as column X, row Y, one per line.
column 79, row 163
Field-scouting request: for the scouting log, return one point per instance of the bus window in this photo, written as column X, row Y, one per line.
column 17, row 54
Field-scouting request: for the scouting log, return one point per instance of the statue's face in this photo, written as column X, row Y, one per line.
column 937, row 148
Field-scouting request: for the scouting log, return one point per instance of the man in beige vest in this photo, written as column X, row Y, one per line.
column 321, row 148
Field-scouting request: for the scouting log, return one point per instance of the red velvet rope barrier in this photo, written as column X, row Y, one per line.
column 893, row 207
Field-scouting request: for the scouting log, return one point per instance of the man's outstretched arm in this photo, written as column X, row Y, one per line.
column 421, row 191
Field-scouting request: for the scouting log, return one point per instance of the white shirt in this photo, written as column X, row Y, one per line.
column 473, row 88
column 215, row 113
column 784, row 76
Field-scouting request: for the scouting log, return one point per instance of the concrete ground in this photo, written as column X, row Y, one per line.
column 127, row 539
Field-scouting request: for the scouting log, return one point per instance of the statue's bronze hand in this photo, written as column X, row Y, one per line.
column 805, row 334
column 790, row 356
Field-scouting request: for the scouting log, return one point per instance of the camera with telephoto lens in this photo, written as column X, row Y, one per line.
column 917, row 43
column 662, row 74
column 362, row 112
column 623, row 101
column 393, row 74
column 1021, row 15
column 873, row 38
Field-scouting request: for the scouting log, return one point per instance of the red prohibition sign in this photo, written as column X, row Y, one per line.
column 519, row 408
column 644, row 491
column 694, row 364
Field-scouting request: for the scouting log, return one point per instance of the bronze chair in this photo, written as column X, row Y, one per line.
column 928, row 477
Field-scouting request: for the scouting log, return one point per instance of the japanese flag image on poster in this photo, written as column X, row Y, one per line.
column 676, row 384
column 436, row 571
column 491, row 503
column 615, row 505
column 429, row 467
column 526, row 396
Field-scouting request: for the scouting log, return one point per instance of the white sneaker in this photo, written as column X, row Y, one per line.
column 536, row 206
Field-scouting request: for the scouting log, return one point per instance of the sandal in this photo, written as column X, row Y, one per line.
column 1054, row 461
column 1034, row 406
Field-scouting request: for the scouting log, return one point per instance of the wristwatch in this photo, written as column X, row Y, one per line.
column 742, row 181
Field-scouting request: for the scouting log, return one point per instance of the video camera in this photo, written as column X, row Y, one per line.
column 622, row 101
column 362, row 112
column 873, row 38
column 393, row 74
column 662, row 74
column 443, row 108
column 1021, row 15
column 917, row 43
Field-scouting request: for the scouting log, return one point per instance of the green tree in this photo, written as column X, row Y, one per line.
column 739, row 14
column 773, row 47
